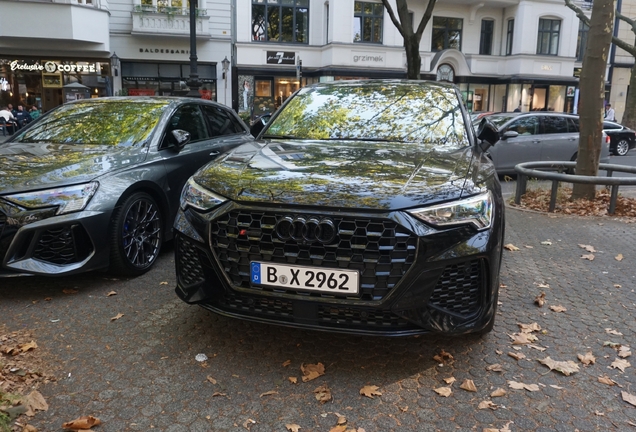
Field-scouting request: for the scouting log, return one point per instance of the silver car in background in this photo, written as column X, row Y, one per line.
column 537, row 136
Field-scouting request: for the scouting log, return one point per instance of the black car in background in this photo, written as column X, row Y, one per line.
column 364, row 207
column 622, row 138
column 96, row 183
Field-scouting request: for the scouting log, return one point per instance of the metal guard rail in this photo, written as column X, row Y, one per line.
column 531, row 169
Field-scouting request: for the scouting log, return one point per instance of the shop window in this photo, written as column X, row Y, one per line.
column 368, row 20
column 510, row 32
column 447, row 33
column 548, row 40
column 263, row 88
column 288, row 22
column 581, row 41
column 283, row 89
column 485, row 41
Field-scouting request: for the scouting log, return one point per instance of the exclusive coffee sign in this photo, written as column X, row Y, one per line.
column 281, row 57
column 54, row 67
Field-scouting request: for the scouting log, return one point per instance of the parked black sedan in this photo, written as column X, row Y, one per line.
column 365, row 207
column 96, row 183
column 622, row 138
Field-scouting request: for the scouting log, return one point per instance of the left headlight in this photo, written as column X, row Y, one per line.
column 476, row 210
column 67, row 199
column 197, row 196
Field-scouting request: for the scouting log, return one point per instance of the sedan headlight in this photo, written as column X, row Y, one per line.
column 67, row 199
column 198, row 197
column 476, row 210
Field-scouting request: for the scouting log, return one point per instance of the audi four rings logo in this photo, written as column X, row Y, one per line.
column 310, row 229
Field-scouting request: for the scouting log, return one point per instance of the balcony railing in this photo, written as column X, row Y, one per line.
column 151, row 19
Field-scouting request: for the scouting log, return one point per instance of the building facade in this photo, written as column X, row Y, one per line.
column 621, row 62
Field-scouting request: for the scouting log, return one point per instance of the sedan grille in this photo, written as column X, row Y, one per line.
column 190, row 268
column 379, row 249
column 350, row 317
column 63, row 245
column 458, row 289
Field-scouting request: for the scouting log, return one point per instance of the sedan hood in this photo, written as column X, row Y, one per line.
column 25, row 166
column 343, row 174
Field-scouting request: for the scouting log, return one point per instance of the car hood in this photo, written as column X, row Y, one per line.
column 25, row 166
column 343, row 174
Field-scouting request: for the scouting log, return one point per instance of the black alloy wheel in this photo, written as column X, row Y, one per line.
column 137, row 235
column 622, row 147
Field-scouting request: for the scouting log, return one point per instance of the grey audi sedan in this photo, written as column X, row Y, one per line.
column 95, row 184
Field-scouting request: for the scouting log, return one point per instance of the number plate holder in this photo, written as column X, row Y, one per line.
column 315, row 279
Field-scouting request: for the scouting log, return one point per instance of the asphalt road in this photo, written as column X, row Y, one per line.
column 139, row 373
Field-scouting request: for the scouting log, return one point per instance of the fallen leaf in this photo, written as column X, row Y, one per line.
column 116, row 317
column 487, row 404
column 29, row 428
column 370, row 391
column 624, row 351
column 292, row 427
column 247, row 424
column 558, row 308
column 490, row 430
column 612, row 344
column 112, row 293
column 34, row 401
column 450, row 380
column 522, row 338
column 28, row 346
column 269, row 393
column 588, row 248
column 341, row 419
column 613, row 332
column 540, row 299
column 587, row 359
column 403, row 409
column 498, row 392
column 606, row 380
column 212, row 380
column 556, row 387
column 589, row 257
column 443, row 391
column 494, row 368
column 529, row 328
column 615, row 286
column 517, row 356
column 293, row 380
column 546, row 243
column 543, row 285
column 468, row 385
column 312, row 371
column 339, row 428
column 620, row 364
column 565, row 367
column 323, row 394
column 286, row 363
column 519, row 386
column 443, row 356
column 70, row 291
column 619, row 257
column 599, row 413
column 529, row 247
column 48, row 299
column 163, row 283
column 216, row 394
column 629, row 398
column 84, row 422
column 511, row 247
column 537, row 347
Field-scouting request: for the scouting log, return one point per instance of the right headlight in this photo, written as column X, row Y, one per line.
column 476, row 210
column 198, row 197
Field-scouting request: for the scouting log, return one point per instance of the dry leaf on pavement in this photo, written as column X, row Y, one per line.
column 112, row 293
column 323, row 394
column 529, row 328
column 589, row 257
column 215, row 394
column 540, row 299
column 542, row 285
column 620, row 364
column 34, row 401
column 443, row 356
column 292, row 427
column 70, row 291
column 511, row 247
column 443, row 391
column 116, row 317
column 613, row 332
column 494, row 368
column 522, row 338
column 588, row 248
column 210, row 379
column 370, row 391
column 293, row 380
column 498, row 393
column 565, row 367
column 286, row 363
column 247, row 424
column 269, row 393
column 624, row 351
column 587, row 359
column 338, row 428
column 628, row 397
column 519, row 386
column 619, row 257
column 84, row 422
column 468, row 385
column 537, row 347
column 517, row 356
column 27, row 346
column 487, row 404
column 607, row 380
column 29, row 428
column 558, row 308
column 312, row 371
column 450, row 380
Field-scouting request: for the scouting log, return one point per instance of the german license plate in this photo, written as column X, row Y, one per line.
column 305, row 278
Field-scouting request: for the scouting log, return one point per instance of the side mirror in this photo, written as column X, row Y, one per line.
column 181, row 138
column 510, row 134
column 487, row 132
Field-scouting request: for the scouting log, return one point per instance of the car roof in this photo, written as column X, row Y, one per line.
column 540, row 113
column 371, row 82
column 168, row 100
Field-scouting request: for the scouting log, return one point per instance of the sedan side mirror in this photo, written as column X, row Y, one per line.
column 510, row 134
column 181, row 138
column 487, row 132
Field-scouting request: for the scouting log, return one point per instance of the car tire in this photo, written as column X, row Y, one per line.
column 136, row 235
column 622, row 147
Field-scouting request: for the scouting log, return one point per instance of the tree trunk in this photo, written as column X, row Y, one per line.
column 593, row 93
column 629, row 116
column 413, row 59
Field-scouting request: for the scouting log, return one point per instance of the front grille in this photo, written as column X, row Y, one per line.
column 344, row 316
column 379, row 249
column 190, row 268
column 458, row 289
column 257, row 306
column 62, row 245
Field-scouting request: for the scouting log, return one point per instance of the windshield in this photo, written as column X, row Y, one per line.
column 408, row 112
column 105, row 122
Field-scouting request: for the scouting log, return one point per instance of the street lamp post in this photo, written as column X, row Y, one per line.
column 225, row 63
column 193, row 82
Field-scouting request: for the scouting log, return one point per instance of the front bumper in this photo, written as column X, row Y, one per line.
column 37, row 242
column 447, row 283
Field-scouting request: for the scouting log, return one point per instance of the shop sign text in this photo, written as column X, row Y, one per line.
column 368, row 58
column 281, row 57
column 53, row 67
column 163, row 51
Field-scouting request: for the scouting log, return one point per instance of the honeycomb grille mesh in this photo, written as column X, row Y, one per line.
column 380, row 249
column 257, row 305
column 57, row 246
column 355, row 317
column 459, row 288
column 190, row 268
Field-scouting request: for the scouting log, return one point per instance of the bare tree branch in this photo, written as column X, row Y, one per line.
column 425, row 18
column 396, row 22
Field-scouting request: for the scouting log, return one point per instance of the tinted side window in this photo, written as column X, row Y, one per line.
column 573, row 124
column 221, row 122
column 527, row 125
column 189, row 119
column 608, row 125
column 555, row 124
